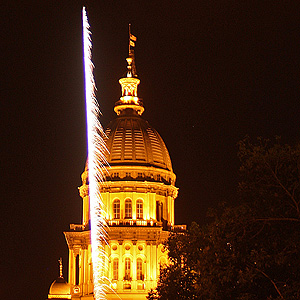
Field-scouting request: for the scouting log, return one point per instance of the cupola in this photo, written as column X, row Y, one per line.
column 59, row 288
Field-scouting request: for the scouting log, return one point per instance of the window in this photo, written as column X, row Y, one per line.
column 116, row 209
column 128, row 209
column 115, row 269
column 139, row 209
column 127, row 269
column 139, row 269
column 159, row 211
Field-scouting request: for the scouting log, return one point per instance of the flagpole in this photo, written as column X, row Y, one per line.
column 129, row 38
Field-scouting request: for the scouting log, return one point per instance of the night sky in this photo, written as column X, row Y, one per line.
column 211, row 72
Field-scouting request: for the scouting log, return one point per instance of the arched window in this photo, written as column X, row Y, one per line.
column 139, row 209
column 139, row 269
column 128, row 209
column 115, row 269
column 127, row 269
column 116, row 209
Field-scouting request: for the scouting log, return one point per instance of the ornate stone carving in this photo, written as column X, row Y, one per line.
column 84, row 190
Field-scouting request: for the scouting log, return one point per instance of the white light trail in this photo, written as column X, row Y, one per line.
column 96, row 165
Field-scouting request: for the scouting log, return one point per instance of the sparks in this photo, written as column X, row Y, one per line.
column 96, row 165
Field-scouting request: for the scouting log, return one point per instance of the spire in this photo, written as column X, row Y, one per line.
column 132, row 40
column 129, row 84
column 60, row 268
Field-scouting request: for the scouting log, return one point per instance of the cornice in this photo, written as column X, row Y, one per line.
column 152, row 235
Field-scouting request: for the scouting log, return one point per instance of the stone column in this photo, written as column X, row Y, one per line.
column 84, row 269
column 154, row 259
column 121, row 266
column 148, row 273
column 71, row 267
column 134, row 264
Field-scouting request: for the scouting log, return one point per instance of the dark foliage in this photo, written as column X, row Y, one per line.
column 250, row 251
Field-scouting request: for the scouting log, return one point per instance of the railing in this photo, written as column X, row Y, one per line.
column 140, row 285
column 127, row 283
column 130, row 222
column 126, row 222
column 77, row 227
column 179, row 228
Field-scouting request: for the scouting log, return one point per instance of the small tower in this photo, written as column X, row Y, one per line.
column 129, row 98
column 129, row 84
column 59, row 289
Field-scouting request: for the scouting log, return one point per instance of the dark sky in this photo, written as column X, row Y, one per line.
column 211, row 72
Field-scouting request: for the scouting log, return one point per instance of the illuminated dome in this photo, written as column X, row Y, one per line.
column 137, row 163
column 132, row 141
column 134, row 202
column 59, row 289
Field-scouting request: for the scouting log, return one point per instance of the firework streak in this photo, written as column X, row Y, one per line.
column 96, row 165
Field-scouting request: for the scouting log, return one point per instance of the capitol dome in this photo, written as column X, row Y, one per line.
column 131, row 194
column 133, row 141
column 134, row 149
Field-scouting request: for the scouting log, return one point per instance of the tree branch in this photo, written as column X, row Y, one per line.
column 277, row 219
column 259, row 231
column 285, row 189
column 272, row 281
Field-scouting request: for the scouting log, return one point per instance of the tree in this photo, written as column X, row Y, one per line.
column 179, row 280
column 252, row 250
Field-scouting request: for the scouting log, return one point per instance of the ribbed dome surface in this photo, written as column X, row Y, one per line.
column 59, row 287
column 131, row 140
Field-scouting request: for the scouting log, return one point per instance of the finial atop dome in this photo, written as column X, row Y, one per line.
column 129, row 84
column 132, row 40
column 60, row 268
column 129, row 66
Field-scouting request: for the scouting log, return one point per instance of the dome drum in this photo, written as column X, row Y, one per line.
column 140, row 173
column 139, row 187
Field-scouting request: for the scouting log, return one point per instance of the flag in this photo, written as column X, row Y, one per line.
column 132, row 37
column 132, row 44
